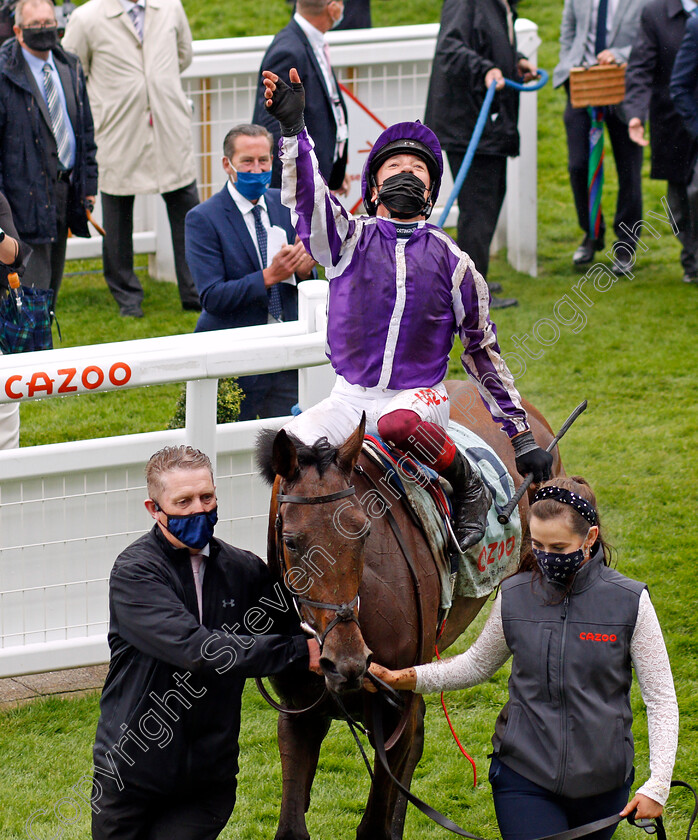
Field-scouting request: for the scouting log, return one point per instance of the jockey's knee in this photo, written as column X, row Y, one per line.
column 398, row 426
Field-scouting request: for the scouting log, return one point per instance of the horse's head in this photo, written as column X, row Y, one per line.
column 316, row 539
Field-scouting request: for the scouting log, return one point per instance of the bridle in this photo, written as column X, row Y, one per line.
column 343, row 612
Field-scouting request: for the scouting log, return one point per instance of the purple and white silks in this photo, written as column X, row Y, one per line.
column 395, row 305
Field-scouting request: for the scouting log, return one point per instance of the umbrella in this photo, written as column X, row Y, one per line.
column 595, row 181
column 25, row 318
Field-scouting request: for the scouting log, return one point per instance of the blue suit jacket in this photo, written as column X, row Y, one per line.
column 290, row 48
column 684, row 78
column 225, row 266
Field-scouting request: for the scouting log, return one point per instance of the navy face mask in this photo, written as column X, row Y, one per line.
column 559, row 568
column 195, row 529
column 253, row 185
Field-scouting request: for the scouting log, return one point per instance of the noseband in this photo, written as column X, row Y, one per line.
column 343, row 612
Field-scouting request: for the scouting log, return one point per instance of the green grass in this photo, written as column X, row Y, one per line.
column 635, row 363
column 87, row 314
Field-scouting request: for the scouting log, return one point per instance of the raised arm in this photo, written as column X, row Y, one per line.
column 323, row 225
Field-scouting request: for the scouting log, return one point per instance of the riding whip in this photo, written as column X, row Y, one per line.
column 503, row 517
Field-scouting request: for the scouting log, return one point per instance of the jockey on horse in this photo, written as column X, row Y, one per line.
column 399, row 291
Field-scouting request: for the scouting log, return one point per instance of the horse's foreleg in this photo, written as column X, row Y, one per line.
column 300, row 738
column 384, row 817
column 416, row 749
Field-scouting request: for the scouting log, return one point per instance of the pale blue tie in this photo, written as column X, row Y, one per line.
column 136, row 15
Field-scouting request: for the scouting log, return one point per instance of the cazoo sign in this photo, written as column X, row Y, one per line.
column 65, row 380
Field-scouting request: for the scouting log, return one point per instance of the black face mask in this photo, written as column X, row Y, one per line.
column 403, row 195
column 40, row 38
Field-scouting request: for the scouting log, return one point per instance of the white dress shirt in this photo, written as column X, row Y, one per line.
column 590, row 51
column 319, row 44
column 276, row 236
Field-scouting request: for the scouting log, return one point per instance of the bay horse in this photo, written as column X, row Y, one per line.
column 350, row 575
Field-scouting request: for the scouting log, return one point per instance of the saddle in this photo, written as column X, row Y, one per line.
column 480, row 569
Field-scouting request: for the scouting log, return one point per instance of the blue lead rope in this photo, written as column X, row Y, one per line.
column 477, row 133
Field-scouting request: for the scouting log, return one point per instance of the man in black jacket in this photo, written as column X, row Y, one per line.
column 674, row 149
column 48, row 164
column 477, row 46
column 190, row 618
column 301, row 44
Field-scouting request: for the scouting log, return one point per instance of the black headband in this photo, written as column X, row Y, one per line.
column 559, row 494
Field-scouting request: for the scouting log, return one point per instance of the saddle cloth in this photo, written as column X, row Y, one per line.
column 481, row 568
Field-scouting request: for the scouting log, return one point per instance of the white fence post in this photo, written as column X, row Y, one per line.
column 314, row 384
column 161, row 265
column 522, row 172
column 202, row 404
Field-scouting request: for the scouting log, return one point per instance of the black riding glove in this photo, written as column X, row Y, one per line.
column 530, row 458
column 287, row 106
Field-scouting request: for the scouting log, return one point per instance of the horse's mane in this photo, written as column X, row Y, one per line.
column 321, row 454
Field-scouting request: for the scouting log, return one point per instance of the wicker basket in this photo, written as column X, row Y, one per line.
column 601, row 84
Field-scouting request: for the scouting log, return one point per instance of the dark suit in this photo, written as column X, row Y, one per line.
column 228, row 275
column 473, row 39
column 662, row 27
column 290, row 48
column 44, row 204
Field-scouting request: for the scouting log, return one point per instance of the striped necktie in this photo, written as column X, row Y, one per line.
column 136, row 15
column 58, row 118
column 273, row 293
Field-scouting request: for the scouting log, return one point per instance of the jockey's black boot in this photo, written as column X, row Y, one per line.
column 471, row 500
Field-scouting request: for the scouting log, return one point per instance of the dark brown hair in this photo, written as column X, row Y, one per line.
column 245, row 130
column 547, row 509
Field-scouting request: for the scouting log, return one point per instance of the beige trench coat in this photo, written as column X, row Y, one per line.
column 141, row 115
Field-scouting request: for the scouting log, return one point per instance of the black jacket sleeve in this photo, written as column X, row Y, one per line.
column 684, row 78
column 88, row 138
column 456, row 50
column 148, row 614
column 641, row 70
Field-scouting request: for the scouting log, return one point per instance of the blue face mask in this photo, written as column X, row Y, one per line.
column 253, row 185
column 195, row 529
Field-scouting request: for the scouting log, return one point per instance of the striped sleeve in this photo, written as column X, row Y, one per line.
column 482, row 358
column 321, row 222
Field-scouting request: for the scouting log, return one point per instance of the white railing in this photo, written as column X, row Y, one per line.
column 388, row 70
column 68, row 509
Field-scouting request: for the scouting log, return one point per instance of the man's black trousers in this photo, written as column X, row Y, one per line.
column 195, row 814
column 117, row 247
column 479, row 204
column 628, row 159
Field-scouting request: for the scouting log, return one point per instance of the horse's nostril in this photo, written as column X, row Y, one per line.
column 328, row 665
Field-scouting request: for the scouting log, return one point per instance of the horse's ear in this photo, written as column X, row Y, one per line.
column 284, row 458
column 348, row 453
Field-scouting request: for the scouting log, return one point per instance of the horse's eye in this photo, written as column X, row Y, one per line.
column 290, row 544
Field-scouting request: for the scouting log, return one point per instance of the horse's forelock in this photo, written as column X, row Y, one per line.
column 263, row 454
column 321, row 454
